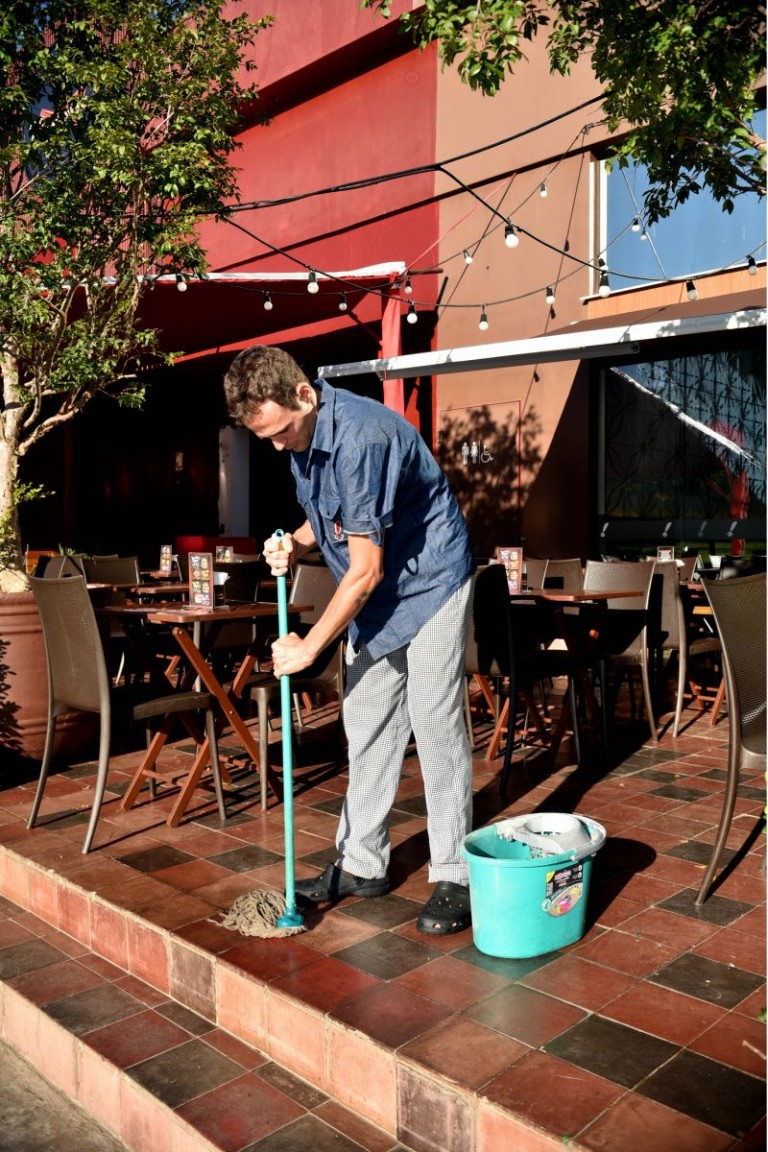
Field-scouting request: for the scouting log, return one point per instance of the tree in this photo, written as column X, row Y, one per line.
column 116, row 121
column 679, row 77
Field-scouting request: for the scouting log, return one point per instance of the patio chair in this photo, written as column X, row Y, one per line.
column 566, row 575
column 668, row 633
column 623, row 643
column 78, row 681
column 535, row 571
column 55, row 567
column 738, row 607
column 112, row 569
column 500, row 652
column 312, row 584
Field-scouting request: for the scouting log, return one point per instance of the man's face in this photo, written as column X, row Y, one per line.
column 287, row 428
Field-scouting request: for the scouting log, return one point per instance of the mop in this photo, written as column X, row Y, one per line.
column 263, row 912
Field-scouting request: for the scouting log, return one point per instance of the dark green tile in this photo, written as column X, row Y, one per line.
column 709, row 980
column 185, row 1018
column 245, row 859
column 27, row 957
column 656, row 774
column 697, row 851
column 184, row 1072
column 620, row 1054
column 709, row 1092
column 679, row 792
column 154, row 859
column 512, row 969
column 291, row 1086
column 414, row 806
column 385, row 912
column 387, row 956
column 307, row 1133
column 715, row 909
column 93, row 1008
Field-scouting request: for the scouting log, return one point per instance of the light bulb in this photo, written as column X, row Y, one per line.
column 643, row 235
column 181, row 284
column 690, row 288
column 605, row 288
column 412, row 318
column 543, row 192
column 483, row 325
column 468, row 256
column 312, row 284
column 408, row 287
column 635, row 225
column 268, row 305
column 550, row 295
column 511, row 238
column 751, row 266
column 343, row 302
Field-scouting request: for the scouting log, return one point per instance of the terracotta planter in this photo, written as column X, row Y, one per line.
column 24, row 687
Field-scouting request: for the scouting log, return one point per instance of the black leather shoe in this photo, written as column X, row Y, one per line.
column 334, row 884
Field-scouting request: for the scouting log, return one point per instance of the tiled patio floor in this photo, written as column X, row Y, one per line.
column 180, row 1035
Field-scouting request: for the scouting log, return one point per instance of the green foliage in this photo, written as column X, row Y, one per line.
column 679, row 77
column 116, row 121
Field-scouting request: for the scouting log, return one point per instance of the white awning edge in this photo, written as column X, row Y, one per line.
column 371, row 272
column 620, row 340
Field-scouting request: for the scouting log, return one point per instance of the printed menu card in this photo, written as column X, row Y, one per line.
column 166, row 559
column 201, row 579
column 512, row 559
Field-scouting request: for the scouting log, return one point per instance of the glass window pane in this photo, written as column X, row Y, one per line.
column 685, row 437
column 698, row 236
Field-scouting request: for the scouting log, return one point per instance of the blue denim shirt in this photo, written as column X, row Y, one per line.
column 368, row 472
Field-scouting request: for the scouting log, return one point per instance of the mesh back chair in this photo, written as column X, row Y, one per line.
column 498, row 650
column 567, row 575
column 668, row 630
column 112, row 569
column 78, row 681
column 738, row 607
column 535, row 571
column 55, row 567
column 732, row 567
column 687, row 567
column 312, row 584
column 623, row 643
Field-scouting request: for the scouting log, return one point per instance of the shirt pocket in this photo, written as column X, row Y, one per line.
column 330, row 513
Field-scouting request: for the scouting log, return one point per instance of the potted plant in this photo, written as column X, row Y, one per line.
column 115, row 139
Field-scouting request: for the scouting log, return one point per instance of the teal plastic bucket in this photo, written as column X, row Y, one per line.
column 524, row 902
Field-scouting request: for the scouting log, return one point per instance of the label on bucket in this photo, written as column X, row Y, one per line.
column 565, row 887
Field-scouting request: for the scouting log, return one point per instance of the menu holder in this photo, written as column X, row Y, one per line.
column 201, row 580
column 223, row 552
column 512, row 559
column 166, row 559
column 665, row 552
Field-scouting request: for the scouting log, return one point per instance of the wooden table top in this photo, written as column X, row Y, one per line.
column 191, row 614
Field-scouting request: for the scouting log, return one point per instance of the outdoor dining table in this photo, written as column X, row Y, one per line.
column 580, row 631
column 194, row 629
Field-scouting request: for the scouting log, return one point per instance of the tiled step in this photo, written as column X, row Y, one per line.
column 173, row 1049
column 159, row 1076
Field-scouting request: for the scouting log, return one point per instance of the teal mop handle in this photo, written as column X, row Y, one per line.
column 291, row 917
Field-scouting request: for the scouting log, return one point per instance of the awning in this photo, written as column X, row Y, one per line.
column 613, row 336
column 223, row 310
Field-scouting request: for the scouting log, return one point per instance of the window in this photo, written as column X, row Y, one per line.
column 698, row 236
column 684, row 439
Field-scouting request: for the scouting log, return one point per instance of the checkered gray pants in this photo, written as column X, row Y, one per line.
column 419, row 688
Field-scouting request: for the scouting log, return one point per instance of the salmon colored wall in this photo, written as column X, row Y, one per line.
column 535, row 414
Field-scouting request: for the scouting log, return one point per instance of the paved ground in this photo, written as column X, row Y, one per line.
column 34, row 1117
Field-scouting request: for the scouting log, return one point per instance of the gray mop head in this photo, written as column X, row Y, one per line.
column 256, row 914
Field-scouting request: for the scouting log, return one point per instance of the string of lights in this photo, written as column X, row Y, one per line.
column 513, row 233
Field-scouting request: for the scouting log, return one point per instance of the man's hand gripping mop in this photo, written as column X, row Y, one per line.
column 263, row 912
